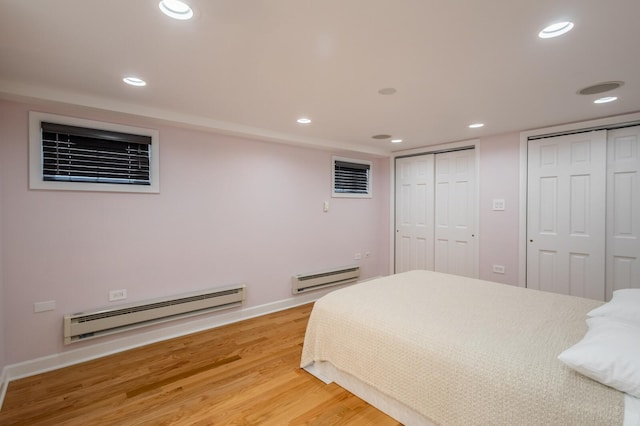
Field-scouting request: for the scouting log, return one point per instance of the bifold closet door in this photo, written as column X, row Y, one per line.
column 455, row 213
column 623, row 209
column 566, row 214
column 414, row 213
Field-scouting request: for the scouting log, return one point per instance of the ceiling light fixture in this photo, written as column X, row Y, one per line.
column 304, row 120
column 605, row 100
column 600, row 87
column 396, row 140
column 555, row 30
column 135, row 81
column 176, row 9
column 476, row 125
column 381, row 136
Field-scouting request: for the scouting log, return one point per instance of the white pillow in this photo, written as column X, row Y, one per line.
column 625, row 304
column 610, row 353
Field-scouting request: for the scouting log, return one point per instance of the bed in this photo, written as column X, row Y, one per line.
column 432, row 348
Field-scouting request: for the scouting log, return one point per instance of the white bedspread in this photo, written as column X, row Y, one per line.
column 461, row 351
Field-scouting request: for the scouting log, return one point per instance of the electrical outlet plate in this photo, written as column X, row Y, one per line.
column 49, row 305
column 498, row 269
column 117, row 295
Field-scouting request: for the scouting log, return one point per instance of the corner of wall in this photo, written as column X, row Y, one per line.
column 3, row 381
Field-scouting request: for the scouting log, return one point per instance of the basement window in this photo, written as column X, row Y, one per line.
column 351, row 178
column 74, row 154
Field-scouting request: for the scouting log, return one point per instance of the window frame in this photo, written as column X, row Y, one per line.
column 334, row 194
column 36, row 180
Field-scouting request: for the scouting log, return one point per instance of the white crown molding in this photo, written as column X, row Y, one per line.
column 467, row 143
column 20, row 92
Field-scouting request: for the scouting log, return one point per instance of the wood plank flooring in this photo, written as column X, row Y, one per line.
column 245, row 373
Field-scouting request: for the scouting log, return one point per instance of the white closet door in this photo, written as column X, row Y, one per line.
column 623, row 209
column 455, row 213
column 414, row 213
column 566, row 214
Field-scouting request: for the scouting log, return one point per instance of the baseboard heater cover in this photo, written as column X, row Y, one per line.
column 87, row 325
column 316, row 280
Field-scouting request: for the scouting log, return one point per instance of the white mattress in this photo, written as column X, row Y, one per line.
column 459, row 351
column 328, row 374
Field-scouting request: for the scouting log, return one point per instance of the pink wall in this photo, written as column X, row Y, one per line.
column 230, row 210
column 499, row 179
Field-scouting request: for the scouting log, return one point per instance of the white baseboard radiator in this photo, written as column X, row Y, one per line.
column 313, row 281
column 87, row 325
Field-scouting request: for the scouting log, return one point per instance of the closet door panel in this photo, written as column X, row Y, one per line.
column 566, row 214
column 623, row 209
column 455, row 213
column 414, row 213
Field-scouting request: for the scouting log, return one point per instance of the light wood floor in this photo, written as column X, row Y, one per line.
column 241, row 374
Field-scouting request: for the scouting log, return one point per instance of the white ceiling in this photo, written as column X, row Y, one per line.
column 253, row 67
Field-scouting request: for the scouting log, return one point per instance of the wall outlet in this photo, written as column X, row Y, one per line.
column 498, row 269
column 498, row 204
column 49, row 305
column 117, row 295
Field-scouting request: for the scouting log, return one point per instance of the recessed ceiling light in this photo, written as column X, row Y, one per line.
column 304, row 120
column 476, row 125
column 605, row 100
column 176, row 9
column 555, row 30
column 396, row 140
column 134, row 81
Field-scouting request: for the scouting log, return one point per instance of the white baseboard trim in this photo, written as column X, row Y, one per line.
column 76, row 356
column 4, row 382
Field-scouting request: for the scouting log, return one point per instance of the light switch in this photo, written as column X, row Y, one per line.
column 325, row 206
